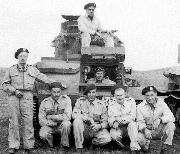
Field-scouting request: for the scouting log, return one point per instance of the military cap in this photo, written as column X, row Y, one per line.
column 19, row 51
column 99, row 69
column 118, row 86
column 89, row 5
column 148, row 88
column 56, row 85
column 89, row 87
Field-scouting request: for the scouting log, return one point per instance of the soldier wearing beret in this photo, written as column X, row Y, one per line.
column 99, row 77
column 55, row 115
column 155, row 120
column 18, row 84
column 121, row 118
column 90, row 28
column 90, row 119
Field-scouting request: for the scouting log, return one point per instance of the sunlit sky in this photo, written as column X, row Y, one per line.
column 150, row 29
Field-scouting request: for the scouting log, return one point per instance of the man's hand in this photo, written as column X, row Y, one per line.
column 156, row 123
column 148, row 133
column 116, row 125
column 96, row 127
column 19, row 94
column 51, row 123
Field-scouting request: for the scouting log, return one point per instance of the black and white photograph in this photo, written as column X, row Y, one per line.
column 89, row 77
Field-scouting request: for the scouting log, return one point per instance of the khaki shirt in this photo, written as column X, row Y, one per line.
column 62, row 109
column 147, row 115
column 104, row 81
column 16, row 78
column 126, row 111
column 96, row 110
column 85, row 25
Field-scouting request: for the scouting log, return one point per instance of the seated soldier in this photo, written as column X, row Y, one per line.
column 121, row 118
column 155, row 120
column 55, row 115
column 90, row 28
column 90, row 120
column 99, row 77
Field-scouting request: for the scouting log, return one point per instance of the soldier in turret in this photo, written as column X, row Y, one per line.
column 90, row 119
column 55, row 115
column 99, row 78
column 18, row 83
column 90, row 28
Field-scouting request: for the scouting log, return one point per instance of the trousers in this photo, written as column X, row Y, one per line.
column 126, row 130
column 86, row 40
column 164, row 132
column 21, row 107
column 64, row 129
column 83, row 131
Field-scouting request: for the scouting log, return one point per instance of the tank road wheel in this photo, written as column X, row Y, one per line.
column 38, row 141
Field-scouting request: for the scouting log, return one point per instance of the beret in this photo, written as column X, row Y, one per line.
column 118, row 86
column 148, row 88
column 56, row 85
column 89, row 5
column 19, row 51
column 89, row 87
column 99, row 69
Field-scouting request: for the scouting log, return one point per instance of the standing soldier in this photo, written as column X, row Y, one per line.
column 55, row 115
column 155, row 120
column 18, row 83
column 90, row 119
column 121, row 118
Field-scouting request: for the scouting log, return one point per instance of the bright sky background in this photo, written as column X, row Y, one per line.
column 150, row 29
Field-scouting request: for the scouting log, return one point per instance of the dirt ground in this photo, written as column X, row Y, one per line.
column 110, row 149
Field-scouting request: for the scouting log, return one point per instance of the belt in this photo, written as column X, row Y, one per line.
column 24, row 90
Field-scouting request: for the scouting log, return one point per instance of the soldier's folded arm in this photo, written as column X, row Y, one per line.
column 167, row 114
column 140, row 119
column 6, row 84
column 43, row 121
column 64, row 116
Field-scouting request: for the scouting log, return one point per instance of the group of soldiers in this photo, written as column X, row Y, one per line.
column 100, row 120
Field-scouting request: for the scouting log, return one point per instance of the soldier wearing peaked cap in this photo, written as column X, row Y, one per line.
column 55, row 115
column 90, row 119
column 18, row 83
column 91, row 29
column 99, row 77
column 155, row 120
column 121, row 117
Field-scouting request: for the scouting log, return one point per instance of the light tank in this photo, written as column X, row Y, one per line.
column 73, row 66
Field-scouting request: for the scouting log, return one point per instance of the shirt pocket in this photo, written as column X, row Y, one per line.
column 15, row 78
column 30, row 78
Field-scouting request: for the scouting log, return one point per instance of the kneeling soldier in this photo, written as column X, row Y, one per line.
column 121, row 118
column 90, row 119
column 55, row 115
column 155, row 120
